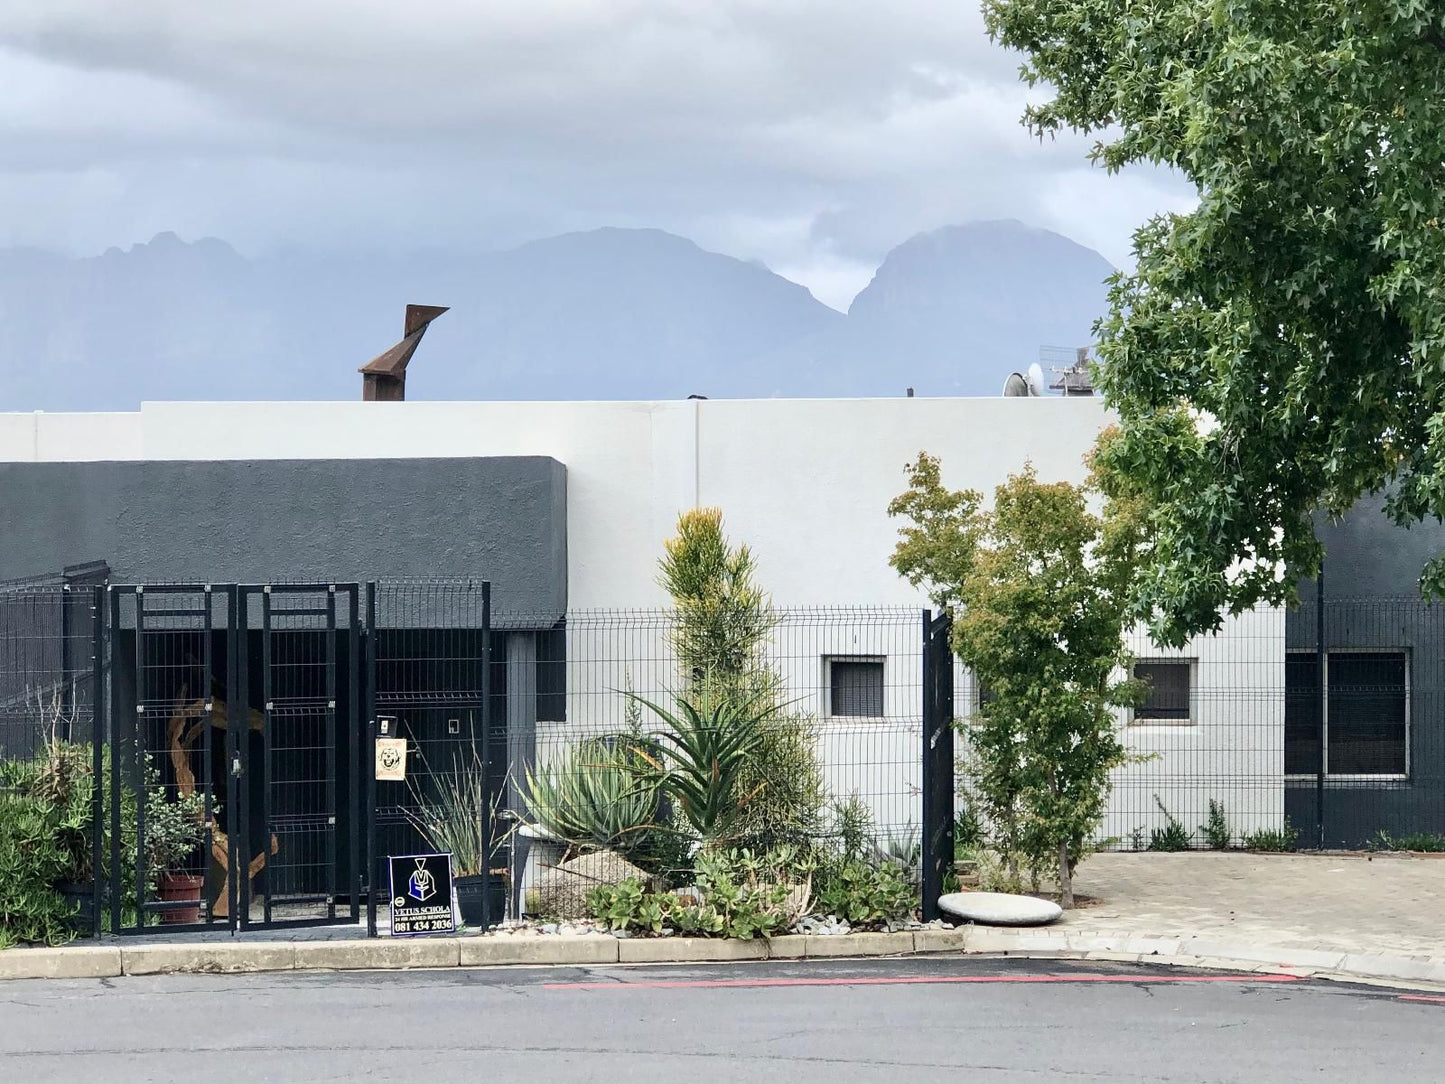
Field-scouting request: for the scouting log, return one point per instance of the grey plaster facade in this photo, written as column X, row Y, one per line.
column 1372, row 602
column 503, row 519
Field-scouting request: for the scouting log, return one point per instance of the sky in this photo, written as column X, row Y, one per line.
column 810, row 135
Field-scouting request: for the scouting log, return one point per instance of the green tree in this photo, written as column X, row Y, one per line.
column 1038, row 586
column 724, row 619
column 1280, row 350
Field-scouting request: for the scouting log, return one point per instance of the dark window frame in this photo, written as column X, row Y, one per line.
column 1407, row 710
column 872, row 662
column 1145, row 714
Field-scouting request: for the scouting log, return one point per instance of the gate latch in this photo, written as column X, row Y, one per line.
column 236, row 766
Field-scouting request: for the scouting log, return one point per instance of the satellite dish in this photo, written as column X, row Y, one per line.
column 1036, row 379
column 1016, row 385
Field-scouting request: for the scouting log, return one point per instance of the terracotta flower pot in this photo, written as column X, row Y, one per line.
column 177, row 888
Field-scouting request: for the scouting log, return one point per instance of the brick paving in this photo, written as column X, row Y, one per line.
column 1380, row 905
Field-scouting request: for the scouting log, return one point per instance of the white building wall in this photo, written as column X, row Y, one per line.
column 41, row 437
column 805, row 483
column 1232, row 749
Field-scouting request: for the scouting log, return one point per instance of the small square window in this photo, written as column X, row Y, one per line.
column 1169, row 691
column 855, row 688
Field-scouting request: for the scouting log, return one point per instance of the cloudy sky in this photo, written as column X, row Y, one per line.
column 812, row 135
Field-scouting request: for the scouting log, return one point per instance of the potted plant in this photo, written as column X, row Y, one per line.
column 174, row 828
column 452, row 823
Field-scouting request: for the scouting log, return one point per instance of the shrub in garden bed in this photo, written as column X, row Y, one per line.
column 1271, row 840
column 742, row 895
column 45, row 840
column 862, row 894
column 1420, row 842
column 737, row 894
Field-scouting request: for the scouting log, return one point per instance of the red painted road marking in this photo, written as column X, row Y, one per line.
column 911, row 980
column 1422, row 997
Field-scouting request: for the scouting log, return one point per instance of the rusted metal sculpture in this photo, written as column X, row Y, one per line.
column 182, row 733
column 383, row 378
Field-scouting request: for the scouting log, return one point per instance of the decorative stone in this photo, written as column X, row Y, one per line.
column 562, row 891
column 1000, row 908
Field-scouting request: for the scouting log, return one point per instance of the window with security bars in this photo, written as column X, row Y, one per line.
column 1169, row 691
column 855, row 688
column 1301, row 714
column 1367, row 732
column 982, row 694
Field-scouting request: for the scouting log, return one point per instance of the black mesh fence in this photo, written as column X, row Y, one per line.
column 833, row 697
column 47, row 686
column 532, row 738
column 1209, row 734
column 51, row 680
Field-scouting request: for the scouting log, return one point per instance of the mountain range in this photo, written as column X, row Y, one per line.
column 605, row 314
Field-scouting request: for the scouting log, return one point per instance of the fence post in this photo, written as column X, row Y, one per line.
column 937, row 759
column 373, row 878
column 1322, row 659
column 116, row 708
column 97, row 756
column 486, row 781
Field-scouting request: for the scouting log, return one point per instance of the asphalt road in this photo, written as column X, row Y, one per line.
column 998, row 1020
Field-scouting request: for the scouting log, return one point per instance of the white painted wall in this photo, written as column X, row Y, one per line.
column 805, row 483
column 42, row 437
column 1233, row 749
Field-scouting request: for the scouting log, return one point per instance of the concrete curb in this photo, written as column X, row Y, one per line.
column 113, row 961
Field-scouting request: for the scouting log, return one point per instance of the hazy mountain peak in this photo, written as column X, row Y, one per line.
column 612, row 313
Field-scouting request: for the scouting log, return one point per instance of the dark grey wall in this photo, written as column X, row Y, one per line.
column 503, row 519
column 1366, row 555
column 1372, row 599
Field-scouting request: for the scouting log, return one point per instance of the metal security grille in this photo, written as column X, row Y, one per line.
column 234, row 707
column 1303, row 713
column 1167, row 696
column 1367, row 713
column 167, row 709
column 303, row 832
column 432, row 677
column 856, row 688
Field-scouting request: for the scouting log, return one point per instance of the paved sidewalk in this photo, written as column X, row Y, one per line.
column 1296, row 907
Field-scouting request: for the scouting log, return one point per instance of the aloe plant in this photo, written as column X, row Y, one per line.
column 598, row 796
column 701, row 755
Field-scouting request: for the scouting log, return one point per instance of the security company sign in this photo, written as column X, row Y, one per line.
column 391, row 759
column 421, row 895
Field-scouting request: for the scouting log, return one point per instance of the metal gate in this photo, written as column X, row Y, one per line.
column 234, row 797
column 430, row 682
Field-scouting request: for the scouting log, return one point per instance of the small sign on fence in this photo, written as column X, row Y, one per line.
column 391, row 759
column 421, row 894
